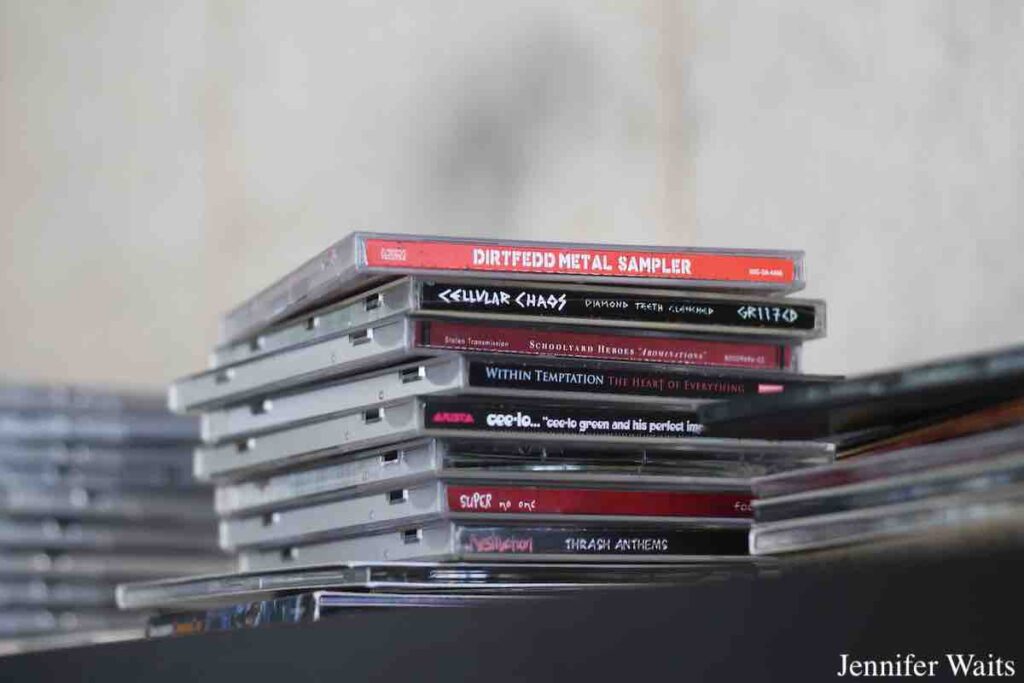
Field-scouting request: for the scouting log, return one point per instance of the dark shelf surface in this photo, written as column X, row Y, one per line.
column 793, row 627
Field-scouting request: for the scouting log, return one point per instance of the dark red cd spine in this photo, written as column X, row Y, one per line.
column 581, row 501
column 569, row 343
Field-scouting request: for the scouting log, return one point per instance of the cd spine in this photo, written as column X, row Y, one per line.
column 471, row 414
column 435, row 335
column 625, row 381
column 291, row 609
column 537, row 500
column 595, row 263
column 655, row 309
column 608, row 542
column 517, row 542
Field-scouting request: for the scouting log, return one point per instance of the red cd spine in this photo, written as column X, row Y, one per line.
column 641, row 264
column 581, row 501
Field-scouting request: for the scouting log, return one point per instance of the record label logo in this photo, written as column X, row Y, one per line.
column 445, row 417
column 393, row 254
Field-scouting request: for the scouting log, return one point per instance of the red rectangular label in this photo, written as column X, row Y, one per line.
column 459, row 336
column 573, row 501
column 640, row 264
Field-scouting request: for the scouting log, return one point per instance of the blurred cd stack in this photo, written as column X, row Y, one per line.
column 931, row 456
column 401, row 398
column 95, row 488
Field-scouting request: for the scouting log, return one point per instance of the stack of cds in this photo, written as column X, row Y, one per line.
column 929, row 453
column 95, row 488
column 401, row 398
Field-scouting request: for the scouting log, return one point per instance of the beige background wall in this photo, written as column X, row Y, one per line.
column 160, row 161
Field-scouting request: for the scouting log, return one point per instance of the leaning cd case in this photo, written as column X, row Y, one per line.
column 406, row 339
column 542, row 303
column 363, row 259
column 471, row 416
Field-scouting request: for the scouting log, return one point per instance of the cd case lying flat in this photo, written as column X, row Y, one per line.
column 55, row 594
column 705, row 503
column 309, row 607
column 97, row 429
column 79, row 502
column 472, row 417
column 52, row 398
column 62, row 534
column 362, row 259
column 541, row 304
column 414, row 462
column 458, row 541
column 487, row 376
column 106, row 566
column 406, row 339
column 51, row 462
column 131, row 478
column 435, row 578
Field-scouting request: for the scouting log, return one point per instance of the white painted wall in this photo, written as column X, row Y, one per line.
column 885, row 138
column 158, row 162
